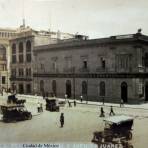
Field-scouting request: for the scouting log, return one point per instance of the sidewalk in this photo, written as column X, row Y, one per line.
column 36, row 99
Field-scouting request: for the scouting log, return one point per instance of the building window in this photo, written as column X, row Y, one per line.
column 28, row 71
column 13, row 58
column 21, row 48
column 146, row 60
column 21, row 88
column 28, row 88
column 84, row 88
column 85, row 64
column 102, row 88
column 3, row 80
column 21, row 58
column 4, row 67
column 14, row 53
column 21, row 72
column 103, row 63
column 14, row 49
column 28, row 46
column 54, row 66
column 28, row 57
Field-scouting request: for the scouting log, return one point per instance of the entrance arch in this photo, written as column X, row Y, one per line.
column 124, row 92
column 146, row 91
column 68, row 88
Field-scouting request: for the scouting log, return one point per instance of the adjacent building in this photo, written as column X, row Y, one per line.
column 22, row 60
column 106, row 69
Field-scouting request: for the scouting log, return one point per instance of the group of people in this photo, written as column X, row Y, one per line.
column 102, row 113
column 74, row 102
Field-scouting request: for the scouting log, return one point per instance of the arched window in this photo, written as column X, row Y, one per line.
column 124, row 91
column 28, row 46
column 28, row 51
column 84, row 88
column 21, row 48
column 21, row 56
column 42, row 86
column 14, row 49
column 102, row 88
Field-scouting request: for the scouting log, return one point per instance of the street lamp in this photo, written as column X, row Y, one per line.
column 74, row 83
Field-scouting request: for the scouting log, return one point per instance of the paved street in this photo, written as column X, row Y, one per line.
column 80, row 123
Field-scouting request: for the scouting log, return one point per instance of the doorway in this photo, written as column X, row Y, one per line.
column 124, row 92
column 21, row 88
column 146, row 92
column 68, row 88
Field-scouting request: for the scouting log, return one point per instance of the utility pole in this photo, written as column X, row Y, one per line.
column 74, row 83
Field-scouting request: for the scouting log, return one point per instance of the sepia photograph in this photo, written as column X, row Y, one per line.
column 73, row 74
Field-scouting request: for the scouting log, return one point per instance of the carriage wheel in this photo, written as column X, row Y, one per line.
column 108, row 139
column 30, row 117
column 129, row 136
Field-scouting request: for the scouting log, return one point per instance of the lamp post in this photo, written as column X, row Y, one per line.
column 74, row 83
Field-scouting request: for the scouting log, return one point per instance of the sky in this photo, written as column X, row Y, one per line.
column 95, row 18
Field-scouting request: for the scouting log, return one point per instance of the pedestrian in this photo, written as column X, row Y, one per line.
column 38, row 107
column 121, row 103
column 69, row 103
column 81, row 97
column 62, row 119
column 74, row 103
column 102, row 114
column 111, row 111
column 41, row 107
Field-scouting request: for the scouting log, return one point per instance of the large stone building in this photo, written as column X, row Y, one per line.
column 5, row 35
column 21, row 55
column 108, row 69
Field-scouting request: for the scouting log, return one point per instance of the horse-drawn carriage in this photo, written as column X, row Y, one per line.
column 116, row 127
column 13, row 99
column 52, row 105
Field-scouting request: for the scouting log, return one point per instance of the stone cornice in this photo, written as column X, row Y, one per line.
column 93, row 43
column 93, row 75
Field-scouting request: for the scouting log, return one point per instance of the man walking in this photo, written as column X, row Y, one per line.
column 62, row 119
column 74, row 103
column 102, row 112
column 111, row 112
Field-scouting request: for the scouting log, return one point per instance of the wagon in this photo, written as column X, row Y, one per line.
column 14, row 100
column 15, row 112
column 115, row 127
column 52, row 105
